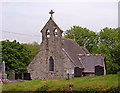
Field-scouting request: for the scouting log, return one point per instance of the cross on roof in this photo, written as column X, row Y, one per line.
column 51, row 12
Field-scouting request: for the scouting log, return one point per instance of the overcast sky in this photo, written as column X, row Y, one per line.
column 28, row 18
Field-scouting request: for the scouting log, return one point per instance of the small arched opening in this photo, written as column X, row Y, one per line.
column 48, row 33
column 55, row 32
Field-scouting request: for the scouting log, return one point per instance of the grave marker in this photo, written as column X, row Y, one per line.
column 26, row 76
column 4, row 76
column 11, row 76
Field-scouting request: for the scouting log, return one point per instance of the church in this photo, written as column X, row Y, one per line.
column 59, row 56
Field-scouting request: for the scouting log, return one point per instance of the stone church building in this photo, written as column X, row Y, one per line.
column 59, row 56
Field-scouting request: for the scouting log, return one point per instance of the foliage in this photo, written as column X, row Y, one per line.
column 87, row 90
column 98, row 83
column 34, row 48
column 16, row 56
column 44, row 88
column 109, row 45
column 83, row 90
column 107, row 42
column 83, row 36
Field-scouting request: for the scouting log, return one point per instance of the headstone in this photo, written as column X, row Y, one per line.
column 99, row 70
column 26, row 76
column 68, row 76
column 0, row 76
column 11, row 76
column 77, row 72
column 16, row 76
column 4, row 76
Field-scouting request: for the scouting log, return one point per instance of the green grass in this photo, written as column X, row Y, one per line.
column 94, row 82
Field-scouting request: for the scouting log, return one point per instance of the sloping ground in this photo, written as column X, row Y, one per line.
column 100, row 83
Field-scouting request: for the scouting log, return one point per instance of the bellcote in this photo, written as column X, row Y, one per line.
column 51, row 28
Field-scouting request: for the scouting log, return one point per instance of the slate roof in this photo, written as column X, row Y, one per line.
column 85, row 50
column 73, row 49
column 81, row 57
column 91, row 60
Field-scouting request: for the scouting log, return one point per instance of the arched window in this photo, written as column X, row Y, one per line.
column 48, row 33
column 55, row 33
column 51, row 64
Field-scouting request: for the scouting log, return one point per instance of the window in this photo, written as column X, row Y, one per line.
column 48, row 33
column 51, row 64
column 55, row 33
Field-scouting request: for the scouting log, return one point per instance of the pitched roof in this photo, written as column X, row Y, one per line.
column 91, row 60
column 73, row 49
column 85, row 50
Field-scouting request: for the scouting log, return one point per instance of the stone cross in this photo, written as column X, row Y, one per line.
column 51, row 12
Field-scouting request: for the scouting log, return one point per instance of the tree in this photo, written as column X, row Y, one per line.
column 83, row 36
column 107, row 42
column 16, row 56
column 109, row 45
column 34, row 48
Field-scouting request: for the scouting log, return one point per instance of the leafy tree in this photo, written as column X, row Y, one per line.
column 34, row 48
column 83, row 36
column 16, row 56
column 109, row 45
column 107, row 42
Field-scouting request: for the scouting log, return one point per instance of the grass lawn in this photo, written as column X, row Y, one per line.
column 101, row 83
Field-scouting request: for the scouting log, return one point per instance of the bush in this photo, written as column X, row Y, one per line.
column 45, row 89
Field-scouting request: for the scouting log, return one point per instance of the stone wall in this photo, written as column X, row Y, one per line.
column 39, row 67
column 52, row 46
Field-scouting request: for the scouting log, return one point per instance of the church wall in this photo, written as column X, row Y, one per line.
column 39, row 67
column 68, row 64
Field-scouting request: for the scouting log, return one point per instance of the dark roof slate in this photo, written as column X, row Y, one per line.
column 73, row 49
column 85, row 50
column 91, row 60
column 81, row 57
